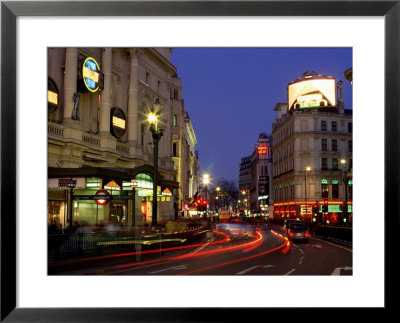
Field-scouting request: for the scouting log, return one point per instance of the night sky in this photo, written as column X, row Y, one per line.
column 230, row 94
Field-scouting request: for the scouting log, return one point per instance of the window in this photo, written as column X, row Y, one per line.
column 334, row 145
column 324, row 145
column 324, row 163
column 324, row 190
column 334, row 163
column 335, row 191
column 334, row 126
column 323, row 125
column 176, row 94
column 175, row 120
column 350, row 143
column 174, row 149
column 147, row 78
column 350, row 127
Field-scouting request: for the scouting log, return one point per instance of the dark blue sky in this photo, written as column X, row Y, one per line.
column 230, row 94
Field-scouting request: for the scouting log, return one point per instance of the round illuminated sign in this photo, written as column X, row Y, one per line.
column 106, row 197
column 91, row 74
column 52, row 96
column 118, row 122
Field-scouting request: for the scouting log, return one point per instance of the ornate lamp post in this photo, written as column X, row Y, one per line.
column 71, row 185
column 157, row 134
column 134, row 184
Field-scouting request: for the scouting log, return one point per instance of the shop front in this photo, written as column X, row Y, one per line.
column 104, row 198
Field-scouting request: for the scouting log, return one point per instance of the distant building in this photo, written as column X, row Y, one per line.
column 261, row 176
column 255, row 179
column 244, row 185
column 312, row 147
column 98, row 135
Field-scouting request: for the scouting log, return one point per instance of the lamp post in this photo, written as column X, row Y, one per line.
column 156, row 134
column 346, row 182
column 308, row 169
column 245, row 202
column 206, row 180
column 134, row 184
column 71, row 185
column 217, row 197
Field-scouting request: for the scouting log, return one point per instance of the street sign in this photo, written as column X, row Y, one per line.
column 69, row 182
column 104, row 197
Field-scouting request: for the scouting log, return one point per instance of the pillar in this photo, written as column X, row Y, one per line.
column 70, row 82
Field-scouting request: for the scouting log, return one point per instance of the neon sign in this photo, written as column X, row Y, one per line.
column 262, row 151
column 91, row 74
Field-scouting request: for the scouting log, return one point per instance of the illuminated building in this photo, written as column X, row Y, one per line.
column 311, row 134
column 98, row 134
column 244, row 185
column 255, row 179
column 261, row 176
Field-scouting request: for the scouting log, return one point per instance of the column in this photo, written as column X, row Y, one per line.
column 70, row 82
column 105, row 105
column 133, row 101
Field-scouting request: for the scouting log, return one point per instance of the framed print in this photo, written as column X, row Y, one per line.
column 28, row 28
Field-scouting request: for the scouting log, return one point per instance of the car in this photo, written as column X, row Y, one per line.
column 289, row 222
column 298, row 232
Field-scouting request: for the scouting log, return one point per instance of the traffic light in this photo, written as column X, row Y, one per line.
column 315, row 208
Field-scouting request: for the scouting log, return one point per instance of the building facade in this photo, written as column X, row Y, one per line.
column 255, row 179
column 99, row 137
column 312, row 153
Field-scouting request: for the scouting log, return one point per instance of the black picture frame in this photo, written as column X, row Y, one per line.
column 10, row 10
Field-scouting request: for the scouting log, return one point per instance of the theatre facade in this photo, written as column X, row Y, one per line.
column 100, row 147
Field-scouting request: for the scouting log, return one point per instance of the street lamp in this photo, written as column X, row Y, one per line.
column 157, row 134
column 206, row 181
column 217, row 197
column 308, row 169
column 134, row 184
column 71, row 185
column 346, row 182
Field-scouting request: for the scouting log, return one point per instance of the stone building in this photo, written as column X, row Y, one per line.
column 99, row 137
column 255, row 179
column 312, row 152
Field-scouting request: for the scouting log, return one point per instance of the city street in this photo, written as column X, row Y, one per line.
column 231, row 249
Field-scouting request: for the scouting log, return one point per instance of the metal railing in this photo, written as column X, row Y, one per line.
column 335, row 233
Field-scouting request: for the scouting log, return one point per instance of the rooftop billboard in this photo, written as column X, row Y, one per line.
column 312, row 92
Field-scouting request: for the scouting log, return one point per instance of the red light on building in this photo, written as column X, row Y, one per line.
column 262, row 150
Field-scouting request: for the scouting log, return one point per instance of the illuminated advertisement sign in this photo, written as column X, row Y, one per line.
column 52, row 96
column 312, row 93
column 118, row 122
column 91, row 74
column 262, row 151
